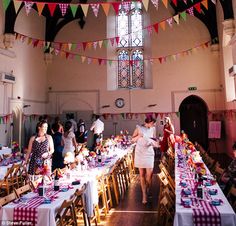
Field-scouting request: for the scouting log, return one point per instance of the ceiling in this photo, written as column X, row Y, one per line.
column 55, row 23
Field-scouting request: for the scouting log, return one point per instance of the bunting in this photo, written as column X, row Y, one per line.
column 94, row 6
column 4, row 119
column 61, row 50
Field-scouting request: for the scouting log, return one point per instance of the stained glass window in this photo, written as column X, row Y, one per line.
column 130, row 47
column 123, row 71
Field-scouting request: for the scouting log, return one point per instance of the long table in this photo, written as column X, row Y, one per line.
column 46, row 212
column 184, row 216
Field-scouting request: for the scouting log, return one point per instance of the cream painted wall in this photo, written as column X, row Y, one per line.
column 201, row 69
column 30, row 71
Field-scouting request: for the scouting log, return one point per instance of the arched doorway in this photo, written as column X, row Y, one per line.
column 193, row 119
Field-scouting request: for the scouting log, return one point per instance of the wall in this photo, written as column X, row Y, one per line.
column 27, row 65
column 170, row 80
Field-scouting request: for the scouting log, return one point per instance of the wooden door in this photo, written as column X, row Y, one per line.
column 193, row 119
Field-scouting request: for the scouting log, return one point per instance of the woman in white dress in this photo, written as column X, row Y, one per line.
column 68, row 139
column 145, row 138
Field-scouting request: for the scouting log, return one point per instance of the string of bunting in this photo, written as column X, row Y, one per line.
column 73, row 7
column 94, row 44
column 103, row 61
column 4, row 119
column 214, row 115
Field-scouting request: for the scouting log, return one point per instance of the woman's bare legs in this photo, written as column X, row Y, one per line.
column 148, row 178
column 142, row 174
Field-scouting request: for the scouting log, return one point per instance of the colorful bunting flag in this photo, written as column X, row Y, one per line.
column 40, row 7
column 155, row 3
column 73, row 8
column 52, row 7
column 95, row 8
column 85, row 9
column 63, row 7
column 17, row 5
column 28, row 7
column 106, row 8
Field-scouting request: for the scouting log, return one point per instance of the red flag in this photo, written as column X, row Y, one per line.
column 117, row 40
column 52, row 7
column 155, row 26
column 198, row 7
column 84, row 45
column 175, row 2
column 116, row 6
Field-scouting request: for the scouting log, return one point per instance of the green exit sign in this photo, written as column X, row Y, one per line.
column 191, row 88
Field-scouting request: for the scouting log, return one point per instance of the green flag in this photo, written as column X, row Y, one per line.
column 73, row 8
column 6, row 4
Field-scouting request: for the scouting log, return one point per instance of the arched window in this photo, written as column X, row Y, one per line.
column 130, row 47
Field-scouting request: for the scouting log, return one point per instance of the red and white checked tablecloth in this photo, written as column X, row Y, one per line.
column 28, row 212
column 207, row 216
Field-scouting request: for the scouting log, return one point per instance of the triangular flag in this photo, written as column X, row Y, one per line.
column 163, row 25
column 89, row 60
column 105, row 43
column 213, row 1
column 198, row 7
column 100, row 43
column 40, row 7
column 85, row 8
column 165, row 2
column 83, row 58
column 95, row 45
column 176, row 18
column 183, row 15
column 112, row 41
column 84, row 45
column 156, row 27
column 205, row 3
column 95, row 8
column 110, row 62
column 51, row 7
column 117, row 40
column 149, row 28
column 170, row 21
column 106, row 8
column 17, row 5
column 63, row 7
column 145, row 4
column 185, row 1
column 191, row 11
column 73, row 8
column 69, row 46
column 99, row 61
column 155, row 3
column 28, row 7
column 116, row 7
column 6, row 4
column 175, row 2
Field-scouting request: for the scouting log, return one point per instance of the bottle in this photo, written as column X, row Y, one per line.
column 99, row 155
column 41, row 188
column 56, row 182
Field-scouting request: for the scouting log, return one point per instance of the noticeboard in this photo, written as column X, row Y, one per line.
column 214, row 131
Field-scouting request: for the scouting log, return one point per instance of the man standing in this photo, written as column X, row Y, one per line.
column 97, row 128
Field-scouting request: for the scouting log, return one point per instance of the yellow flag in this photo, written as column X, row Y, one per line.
column 85, row 8
column 17, row 5
column 176, row 18
column 145, row 4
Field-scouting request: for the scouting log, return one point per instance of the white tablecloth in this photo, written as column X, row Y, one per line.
column 5, row 150
column 184, row 216
column 47, row 212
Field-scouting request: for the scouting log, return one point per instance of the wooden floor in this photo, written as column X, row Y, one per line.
column 131, row 211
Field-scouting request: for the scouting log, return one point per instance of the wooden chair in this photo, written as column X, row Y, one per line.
column 22, row 190
column 166, row 172
column 218, row 172
column 113, row 183
column 80, row 205
column 231, row 196
column 7, row 184
column 7, row 199
column 66, row 213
